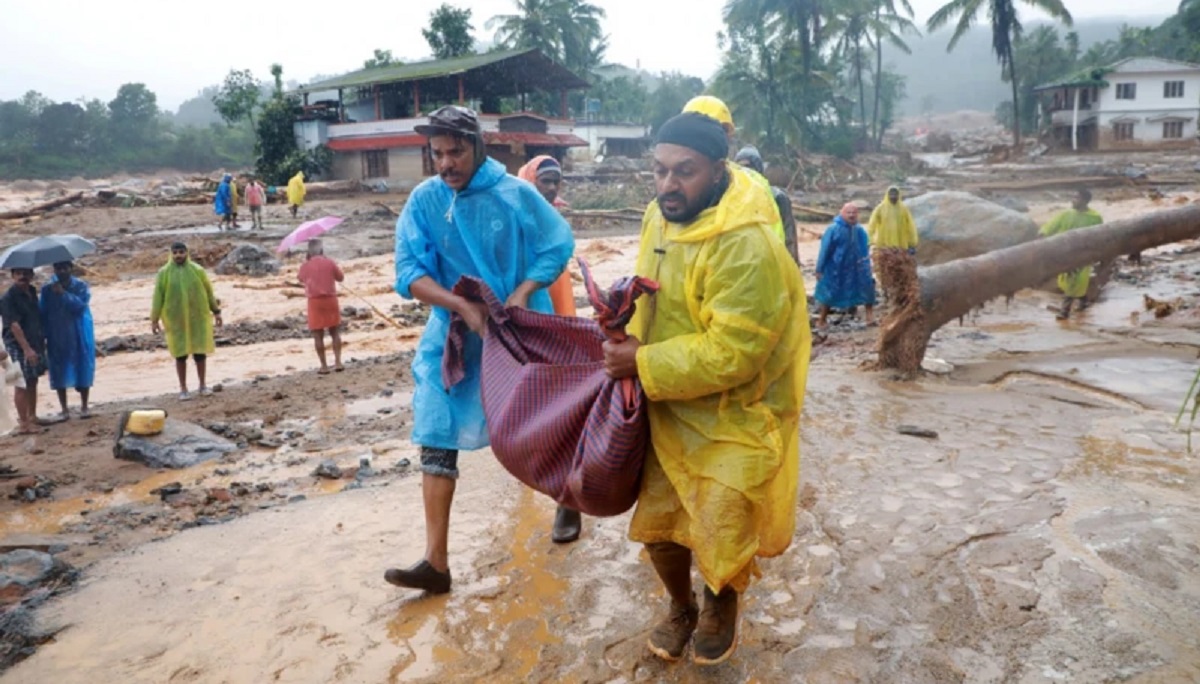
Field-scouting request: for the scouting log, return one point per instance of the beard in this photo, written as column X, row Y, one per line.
column 676, row 208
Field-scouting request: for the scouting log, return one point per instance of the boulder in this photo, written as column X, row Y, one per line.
column 957, row 225
column 24, row 570
column 179, row 445
column 248, row 260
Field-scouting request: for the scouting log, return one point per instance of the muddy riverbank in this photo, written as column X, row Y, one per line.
column 1048, row 533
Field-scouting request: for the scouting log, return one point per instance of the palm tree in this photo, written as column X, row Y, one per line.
column 567, row 31
column 889, row 25
column 531, row 26
column 795, row 31
column 1006, row 26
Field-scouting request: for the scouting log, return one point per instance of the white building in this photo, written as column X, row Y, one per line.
column 1136, row 103
column 613, row 139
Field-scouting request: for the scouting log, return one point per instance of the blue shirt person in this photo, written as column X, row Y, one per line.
column 844, row 279
column 70, row 338
column 472, row 219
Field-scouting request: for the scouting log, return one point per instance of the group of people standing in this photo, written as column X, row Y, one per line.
column 228, row 198
column 48, row 331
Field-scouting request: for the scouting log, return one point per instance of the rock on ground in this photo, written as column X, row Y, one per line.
column 957, row 225
column 248, row 260
column 179, row 445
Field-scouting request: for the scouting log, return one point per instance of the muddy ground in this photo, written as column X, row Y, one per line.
column 1049, row 533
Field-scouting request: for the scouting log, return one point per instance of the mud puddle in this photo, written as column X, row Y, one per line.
column 1142, row 378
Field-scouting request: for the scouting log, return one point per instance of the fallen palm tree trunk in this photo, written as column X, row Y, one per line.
column 42, row 208
column 949, row 291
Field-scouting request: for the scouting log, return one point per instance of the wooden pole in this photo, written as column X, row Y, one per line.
column 462, row 94
column 378, row 114
column 416, row 98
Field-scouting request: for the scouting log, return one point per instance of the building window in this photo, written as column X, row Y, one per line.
column 375, row 164
column 1172, row 130
column 1173, row 90
column 1126, row 91
column 1123, row 131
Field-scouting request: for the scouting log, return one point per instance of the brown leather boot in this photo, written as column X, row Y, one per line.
column 716, row 635
column 673, row 563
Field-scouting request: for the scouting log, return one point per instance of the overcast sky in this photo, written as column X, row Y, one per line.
column 68, row 49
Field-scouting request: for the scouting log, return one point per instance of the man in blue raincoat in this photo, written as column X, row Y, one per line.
column 844, row 279
column 473, row 219
column 70, row 339
column 223, row 203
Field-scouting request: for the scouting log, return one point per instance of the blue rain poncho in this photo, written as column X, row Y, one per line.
column 70, row 338
column 222, row 203
column 498, row 229
column 844, row 267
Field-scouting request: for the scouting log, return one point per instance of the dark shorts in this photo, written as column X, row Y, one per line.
column 440, row 462
column 195, row 357
column 31, row 371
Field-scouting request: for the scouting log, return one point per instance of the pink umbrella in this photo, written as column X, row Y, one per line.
column 308, row 231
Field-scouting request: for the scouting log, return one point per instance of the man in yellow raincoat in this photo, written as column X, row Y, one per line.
column 1074, row 284
column 296, row 192
column 715, row 108
column 893, row 232
column 183, row 304
column 722, row 352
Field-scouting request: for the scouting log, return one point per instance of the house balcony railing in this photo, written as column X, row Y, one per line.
column 488, row 122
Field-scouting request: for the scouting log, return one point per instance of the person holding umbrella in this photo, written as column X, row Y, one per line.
column 183, row 302
column 70, row 338
column 21, row 317
column 25, row 344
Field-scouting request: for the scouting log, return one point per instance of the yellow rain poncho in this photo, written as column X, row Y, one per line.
column 233, row 195
column 1074, row 283
column 295, row 189
column 185, row 303
column 892, row 225
column 724, row 360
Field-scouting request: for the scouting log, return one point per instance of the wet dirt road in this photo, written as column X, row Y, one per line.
column 1034, row 541
column 1049, row 534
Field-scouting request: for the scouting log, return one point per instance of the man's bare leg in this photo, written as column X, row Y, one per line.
column 84, row 393
column 870, row 314
column 21, row 403
column 201, row 370
column 62, row 401
column 438, row 493
column 181, row 372
column 319, row 345
column 821, row 322
column 336, row 335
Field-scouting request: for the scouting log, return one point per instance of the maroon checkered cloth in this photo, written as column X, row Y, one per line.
column 556, row 421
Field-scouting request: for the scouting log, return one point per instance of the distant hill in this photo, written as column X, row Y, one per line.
column 969, row 77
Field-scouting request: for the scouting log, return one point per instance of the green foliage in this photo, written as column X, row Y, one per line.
column 238, row 97
column 622, row 99
column 1192, row 399
column 669, row 98
column 381, row 58
column 449, row 32
column 568, row 31
column 1006, row 30
column 134, row 116
column 44, row 139
column 275, row 145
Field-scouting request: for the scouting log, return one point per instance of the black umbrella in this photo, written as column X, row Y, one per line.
column 42, row 251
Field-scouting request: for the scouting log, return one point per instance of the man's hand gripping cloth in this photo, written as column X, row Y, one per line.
column 556, row 421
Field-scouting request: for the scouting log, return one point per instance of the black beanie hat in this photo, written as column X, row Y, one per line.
column 695, row 131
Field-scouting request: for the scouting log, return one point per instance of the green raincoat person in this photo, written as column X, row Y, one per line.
column 1074, row 284
column 185, row 306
